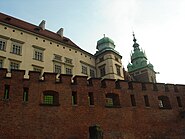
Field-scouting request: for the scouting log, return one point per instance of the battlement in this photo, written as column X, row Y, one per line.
column 50, row 89
column 36, row 77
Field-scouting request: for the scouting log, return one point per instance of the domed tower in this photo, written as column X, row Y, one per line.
column 139, row 69
column 108, row 60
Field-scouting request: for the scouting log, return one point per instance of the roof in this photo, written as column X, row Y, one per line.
column 35, row 29
column 105, row 40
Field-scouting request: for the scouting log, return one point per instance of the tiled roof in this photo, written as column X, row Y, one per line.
column 35, row 29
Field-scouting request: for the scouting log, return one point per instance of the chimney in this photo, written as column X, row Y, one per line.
column 60, row 32
column 42, row 24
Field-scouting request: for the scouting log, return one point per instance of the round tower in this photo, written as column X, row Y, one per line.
column 108, row 60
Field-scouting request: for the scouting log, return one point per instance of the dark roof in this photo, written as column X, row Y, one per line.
column 35, row 29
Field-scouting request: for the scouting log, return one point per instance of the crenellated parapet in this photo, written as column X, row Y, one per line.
column 80, row 90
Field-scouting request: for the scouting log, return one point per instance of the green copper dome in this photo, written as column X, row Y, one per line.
column 105, row 44
column 105, row 40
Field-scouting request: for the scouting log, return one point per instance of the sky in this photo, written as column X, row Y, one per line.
column 159, row 27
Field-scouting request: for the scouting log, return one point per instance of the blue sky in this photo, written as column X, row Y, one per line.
column 159, row 26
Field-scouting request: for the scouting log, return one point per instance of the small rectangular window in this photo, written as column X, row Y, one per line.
column 1, row 63
column 147, row 104
column 6, row 92
column 25, row 94
column 74, row 98
column 118, row 70
column 109, row 102
column 92, row 73
column 48, row 99
column 179, row 102
column 68, row 71
column 91, row 98
column 38, row 69
column 102, row 71
column 68, row 60
column 57, row 57
column 133, row 101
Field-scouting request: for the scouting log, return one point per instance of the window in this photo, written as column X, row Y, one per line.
column 25, row 94
column 14, row 65
column 2, row 44
column 130, row 86
column 164, row 102
column 37, row 69
column 1, row 63
column 143, row 86
column 16, row 48
column 57, row 57
column 179, row 102
column 112, row 100
column 38, row 53
column 118, row 70
column 50, row 98
column 6, row 92
column 84, row 70
column 117, row 84
column 57, row 68
column 68, row 71
column 68, row 60
column 147, row 104
column 133, row 101
column 74, row 98
column 92, row 73
column 102, row 71
column 90, row 98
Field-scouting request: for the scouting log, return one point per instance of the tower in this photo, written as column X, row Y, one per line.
column 108, row 60
column 139, row 69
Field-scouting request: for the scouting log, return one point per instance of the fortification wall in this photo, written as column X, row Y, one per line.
column 123, row 110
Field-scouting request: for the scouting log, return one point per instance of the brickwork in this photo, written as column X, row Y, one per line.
column 34, row 119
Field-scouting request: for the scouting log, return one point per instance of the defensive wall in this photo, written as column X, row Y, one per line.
column 123, row 110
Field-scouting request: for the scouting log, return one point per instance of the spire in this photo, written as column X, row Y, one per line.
column 134, row 38
column 135, row 45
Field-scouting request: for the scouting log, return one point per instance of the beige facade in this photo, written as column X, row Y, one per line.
column 25, row 49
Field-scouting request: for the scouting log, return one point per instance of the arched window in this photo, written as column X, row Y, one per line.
column 164, row 102
column 112, row 100
column 50, row 97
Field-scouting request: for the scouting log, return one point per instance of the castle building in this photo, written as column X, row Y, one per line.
column 27, row 47
column 62, row 103
column 139, row 69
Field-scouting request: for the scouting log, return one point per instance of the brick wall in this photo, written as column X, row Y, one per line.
column 33, row 119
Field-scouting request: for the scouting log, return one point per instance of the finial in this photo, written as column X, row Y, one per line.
column 104, row 35
column 134, row 37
